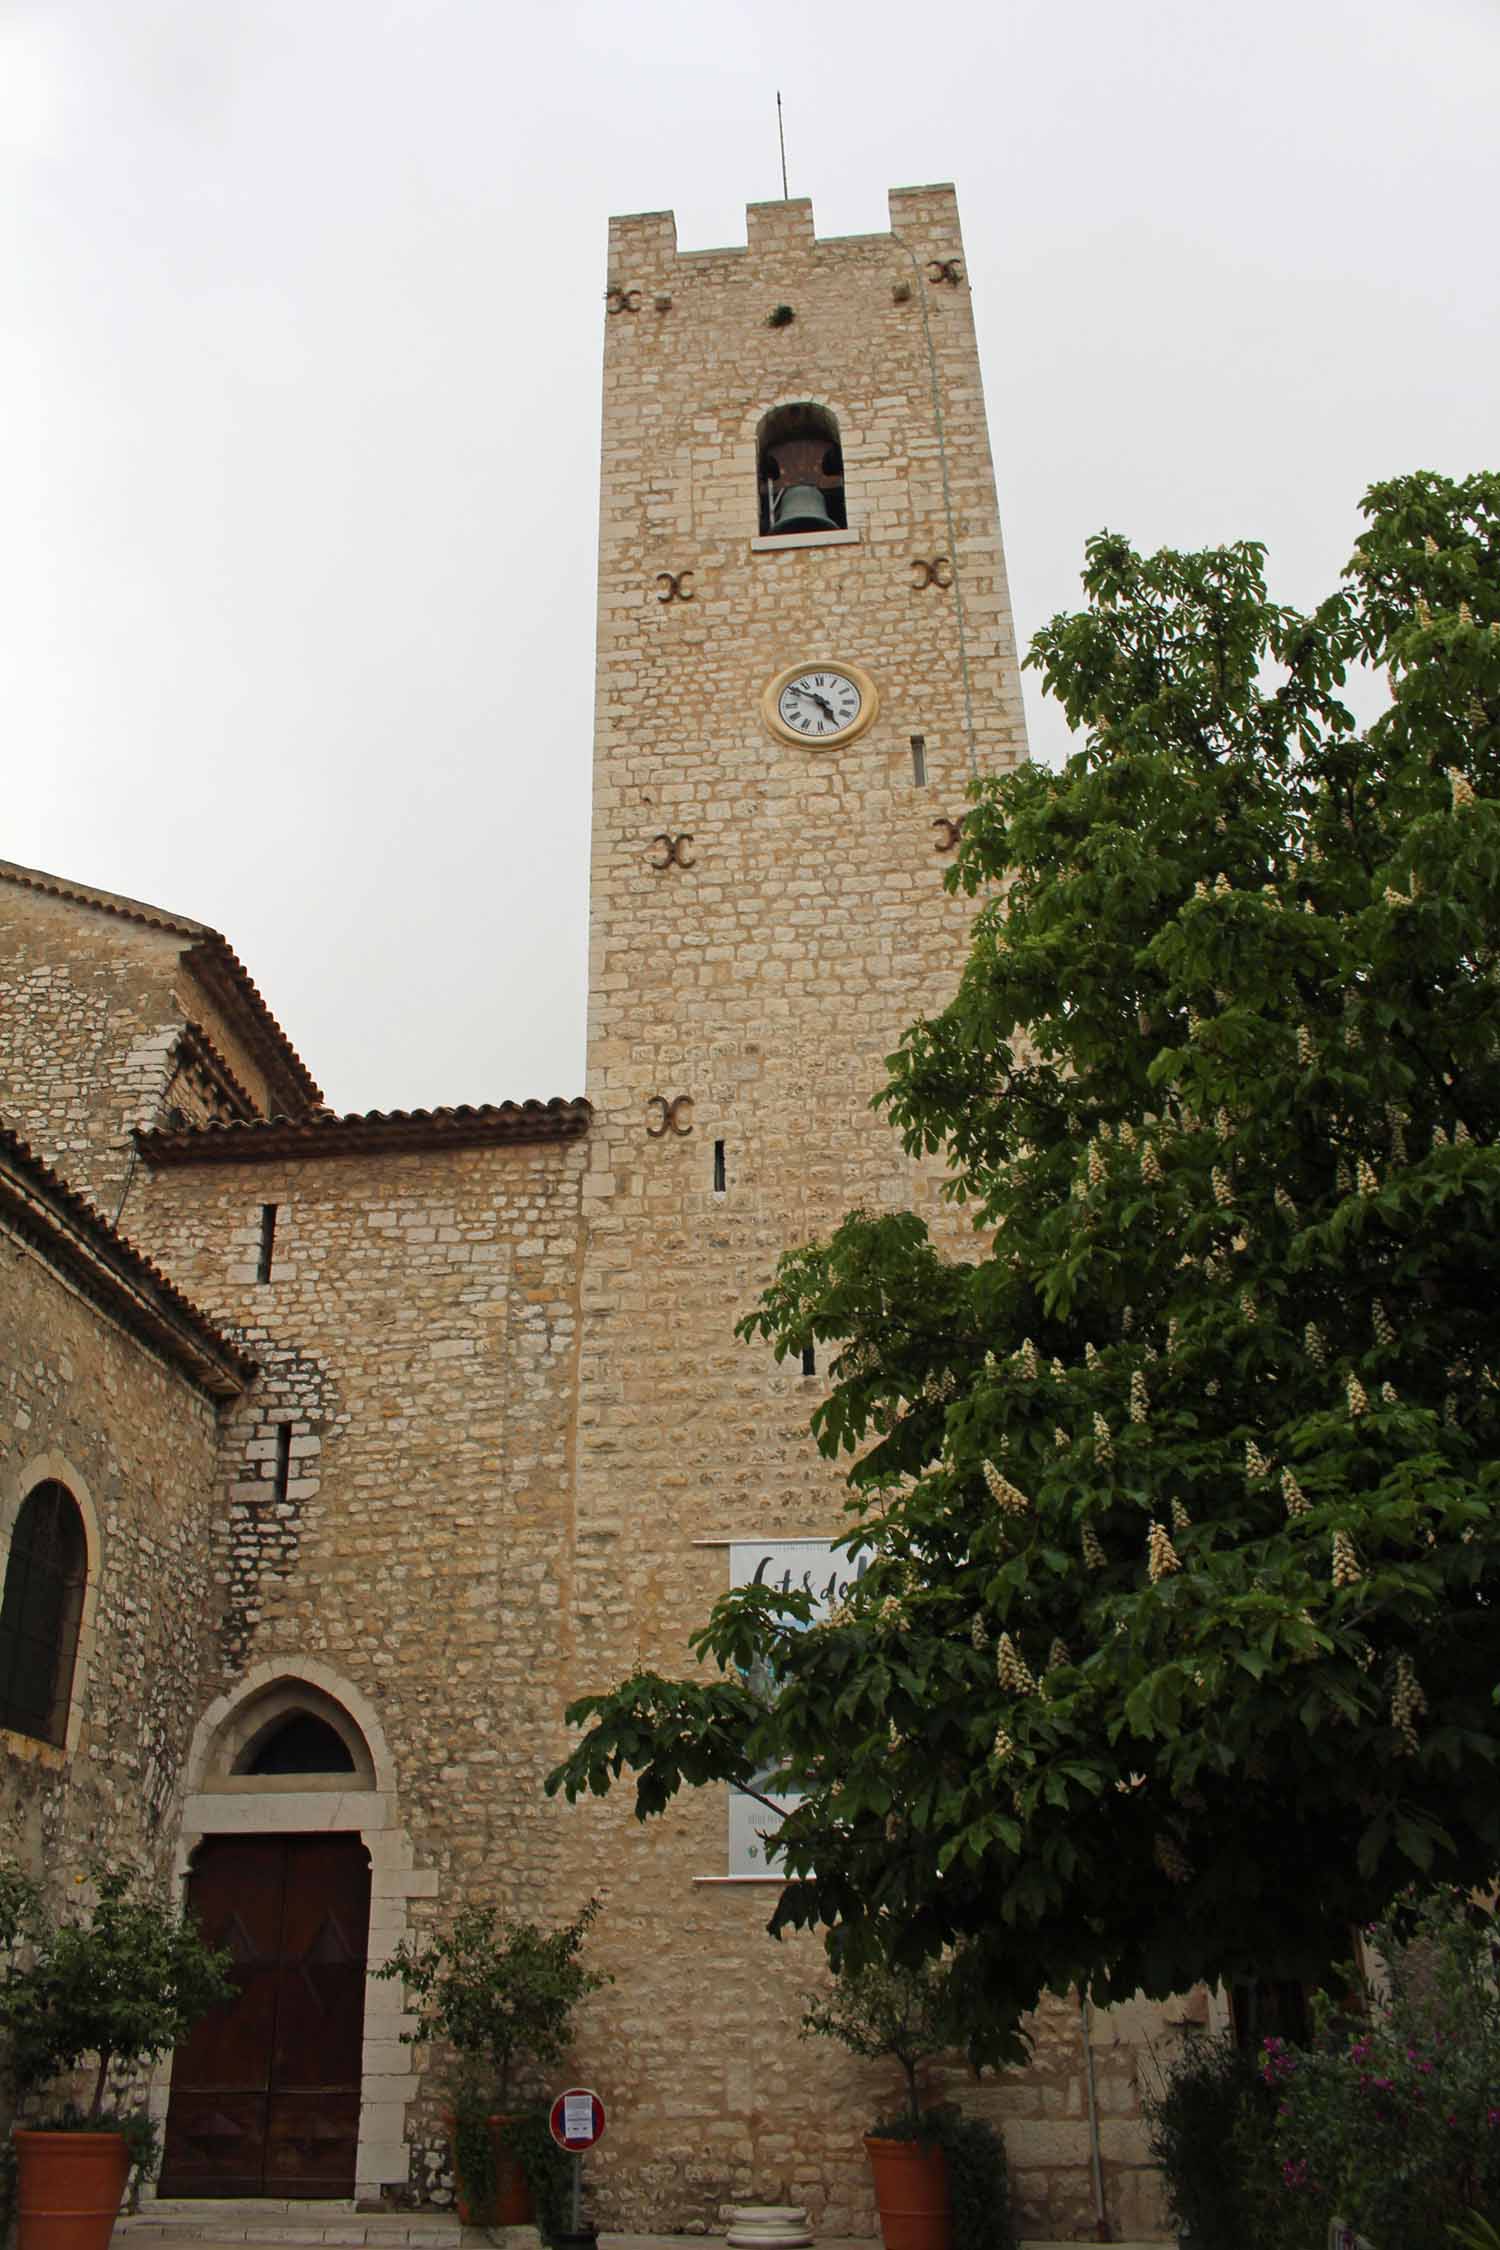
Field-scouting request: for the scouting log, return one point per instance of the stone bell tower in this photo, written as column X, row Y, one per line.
column 805, row 654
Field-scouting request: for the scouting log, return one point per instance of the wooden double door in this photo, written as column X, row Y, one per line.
column 265, row 2090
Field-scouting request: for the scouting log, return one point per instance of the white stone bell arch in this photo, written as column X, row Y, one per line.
column 221, row 1801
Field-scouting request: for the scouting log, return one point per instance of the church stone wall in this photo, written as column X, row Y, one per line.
column 87, row 1027
column 418, row 1340
column 83, row 1401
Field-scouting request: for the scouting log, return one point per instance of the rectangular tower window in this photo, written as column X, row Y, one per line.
column 919, row 760
column 267, row 1241
column 720, row 1179
column 283, row 1458
column 809, row 1360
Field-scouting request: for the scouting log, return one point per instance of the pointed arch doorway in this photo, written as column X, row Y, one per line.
column 265, row 2092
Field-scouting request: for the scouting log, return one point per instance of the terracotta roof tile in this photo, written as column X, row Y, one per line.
column 368, row 1132
column 73, row 1234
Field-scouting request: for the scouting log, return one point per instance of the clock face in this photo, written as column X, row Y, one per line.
column 818, row 705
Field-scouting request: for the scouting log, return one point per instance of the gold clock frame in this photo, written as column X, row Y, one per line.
column 869, row 703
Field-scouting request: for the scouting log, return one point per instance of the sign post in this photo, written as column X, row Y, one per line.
column 576, row 2121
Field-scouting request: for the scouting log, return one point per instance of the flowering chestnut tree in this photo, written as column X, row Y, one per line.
column 1178, row 1645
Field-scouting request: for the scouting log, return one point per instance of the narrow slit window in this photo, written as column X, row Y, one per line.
column 283, row 1458
column 267, row 1241
column 721, row 1181
column 919, row 760
column 809, row 1360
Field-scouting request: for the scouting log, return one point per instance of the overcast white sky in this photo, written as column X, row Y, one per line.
column 300, row 329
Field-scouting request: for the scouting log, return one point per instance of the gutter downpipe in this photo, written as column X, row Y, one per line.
column 1102, row 2229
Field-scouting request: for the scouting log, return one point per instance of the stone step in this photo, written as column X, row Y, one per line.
column 272, row 2219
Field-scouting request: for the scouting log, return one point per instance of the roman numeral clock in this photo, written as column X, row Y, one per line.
column 819, row 706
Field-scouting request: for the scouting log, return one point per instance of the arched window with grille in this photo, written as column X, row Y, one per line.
column 800, row 470
column 45, row 1575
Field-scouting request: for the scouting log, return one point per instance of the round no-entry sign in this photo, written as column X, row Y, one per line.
column 576, row 2119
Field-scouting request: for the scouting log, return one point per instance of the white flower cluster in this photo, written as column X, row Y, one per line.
column 1380, row 1322
column 1408, row 1704
column 1058, row 1655
column 1011, row 1668
column 1367, row 1177
column 1358, row 1399
column 1060, row 1437
column 1140, row 1403
column 1256, row 1464
column 1009, row 1498
column 1181, row 1520
column 1297, row 1502
column 1284, row 1204
column 1091, row 1359
column 1162, row 1558
column 1223, row 1193
column 1346, row 1570
column 1306, row 1051
column 1027, row 1361
column 1150, row 1166
column 978, row 1636
column 1104, row 1444
column 1093, row 1553
column 1317, row 1349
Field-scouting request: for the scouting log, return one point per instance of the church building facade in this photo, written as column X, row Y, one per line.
column 338, row 1454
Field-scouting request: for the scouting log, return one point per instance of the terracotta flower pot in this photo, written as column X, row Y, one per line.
column 68, row 2188
column 911, row 2194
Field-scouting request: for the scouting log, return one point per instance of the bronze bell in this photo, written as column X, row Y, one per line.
column 800, row 507
column 800, row 479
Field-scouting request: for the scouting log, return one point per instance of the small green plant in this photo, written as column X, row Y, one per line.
column 1195, row 2116
column 528, row 2137
column 501, row 1993
column 118, row 1982
column 978, row 2178
column 548, row 2169
column 1475, row 2233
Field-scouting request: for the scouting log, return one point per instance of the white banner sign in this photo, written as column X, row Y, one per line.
column 810, row 1566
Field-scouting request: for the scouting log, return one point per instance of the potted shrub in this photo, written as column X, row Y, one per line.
column 501, row 1994
column 940, row 2178
column 114, row 1985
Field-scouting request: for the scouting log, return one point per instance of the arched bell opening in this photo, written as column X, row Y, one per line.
column 800, row 471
